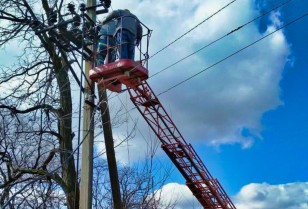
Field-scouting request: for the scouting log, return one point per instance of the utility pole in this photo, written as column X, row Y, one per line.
column 111, row 159
column 88, row 131
column 88, row 136
column 109, row 144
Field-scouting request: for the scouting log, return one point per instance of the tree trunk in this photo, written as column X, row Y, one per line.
column 66, row 146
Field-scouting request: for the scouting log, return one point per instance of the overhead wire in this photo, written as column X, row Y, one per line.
column 143, row 137
column 222, row 37
column 215, row 41
column 209, row 17
column 229, row 33
column 285, row 25
column 181, row 36
column 73, row 152
column 238, row 51
column 83, row 74
column 234, row 53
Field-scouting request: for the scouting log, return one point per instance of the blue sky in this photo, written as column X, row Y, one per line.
column 247, row 116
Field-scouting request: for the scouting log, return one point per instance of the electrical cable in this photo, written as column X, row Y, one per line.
column 143, row 137
column 192, row 28
column 223, row 58
column 183, row 34
column 222, row 37
column 229, row 33
column 72, row 153
column 285, row 25
column 179, row 36
column 81, row 67
column 234, row 53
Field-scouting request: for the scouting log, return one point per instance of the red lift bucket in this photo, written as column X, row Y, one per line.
column 123, row 71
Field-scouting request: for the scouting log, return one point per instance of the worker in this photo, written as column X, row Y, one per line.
column 128, row 32
column 106, row 43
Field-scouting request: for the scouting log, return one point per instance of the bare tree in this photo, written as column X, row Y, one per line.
column 140, row 184
column 36, row 110
column 37, row 167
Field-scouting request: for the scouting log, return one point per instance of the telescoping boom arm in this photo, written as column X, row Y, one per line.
column 204, row 187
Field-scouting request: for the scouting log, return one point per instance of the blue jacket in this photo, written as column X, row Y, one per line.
column 126, row 20
column 108, row 28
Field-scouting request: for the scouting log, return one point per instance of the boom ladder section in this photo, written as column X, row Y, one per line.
column 204, row 187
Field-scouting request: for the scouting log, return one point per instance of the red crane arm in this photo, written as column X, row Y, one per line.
column 204, row 187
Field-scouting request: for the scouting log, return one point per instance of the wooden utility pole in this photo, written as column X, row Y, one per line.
column 111, row 159
column 88, row 131
column 88, row 136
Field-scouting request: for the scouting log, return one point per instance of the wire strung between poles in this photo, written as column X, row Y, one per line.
column 234, row 53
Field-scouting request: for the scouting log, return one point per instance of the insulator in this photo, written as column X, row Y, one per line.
column 82, row 7
column 71, row 8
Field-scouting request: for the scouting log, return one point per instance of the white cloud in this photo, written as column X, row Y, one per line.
column 127, row 151
column 134, row 140
column 220, row 104
column 265, row 196
column 224, row 104
column 178, row 195
column 251, row 196
column 216, row 106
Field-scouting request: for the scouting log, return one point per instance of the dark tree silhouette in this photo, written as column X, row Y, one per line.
column 36, row 109
column 37, row 167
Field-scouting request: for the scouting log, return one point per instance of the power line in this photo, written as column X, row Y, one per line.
column 222, row 37
column 185, row 34
column 285, row 25
column 229, row 33
column 234, row 30
column 143, row 137
column 227, row 5
column 234, row 53
column 192, row 29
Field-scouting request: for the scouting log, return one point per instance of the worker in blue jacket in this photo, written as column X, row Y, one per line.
column 106, row 43
column 128, row 32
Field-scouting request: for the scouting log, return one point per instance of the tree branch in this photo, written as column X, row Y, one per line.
column 14, row 110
